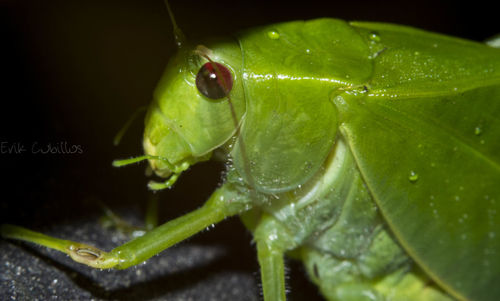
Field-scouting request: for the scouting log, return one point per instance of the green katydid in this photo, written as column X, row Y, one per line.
column 353, row 156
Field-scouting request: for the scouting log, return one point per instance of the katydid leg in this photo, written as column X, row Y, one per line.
column 270, row 254
column 222, row 203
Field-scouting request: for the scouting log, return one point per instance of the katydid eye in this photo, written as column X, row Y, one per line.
column 214, row 80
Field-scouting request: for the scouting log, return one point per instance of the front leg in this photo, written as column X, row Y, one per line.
column 222, row 203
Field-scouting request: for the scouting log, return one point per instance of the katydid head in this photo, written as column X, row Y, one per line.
column 197, row 106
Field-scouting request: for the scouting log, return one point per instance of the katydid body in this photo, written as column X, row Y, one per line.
column 369, row 151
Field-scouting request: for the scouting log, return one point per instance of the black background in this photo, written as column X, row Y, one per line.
column 73, row 73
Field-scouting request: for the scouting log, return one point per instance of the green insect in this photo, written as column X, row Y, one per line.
column 369, row 151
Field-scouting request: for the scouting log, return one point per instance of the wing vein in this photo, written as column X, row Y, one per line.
column 419, row 122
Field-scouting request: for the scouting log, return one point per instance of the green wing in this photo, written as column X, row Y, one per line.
column 426, row 138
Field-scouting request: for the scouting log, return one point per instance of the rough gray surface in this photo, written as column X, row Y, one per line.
column 217, row 264
column 194, row 270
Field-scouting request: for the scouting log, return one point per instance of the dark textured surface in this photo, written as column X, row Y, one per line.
column 74, row 71
column 218, row 264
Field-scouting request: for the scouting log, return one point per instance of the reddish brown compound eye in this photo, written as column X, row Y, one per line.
column 214, row 80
